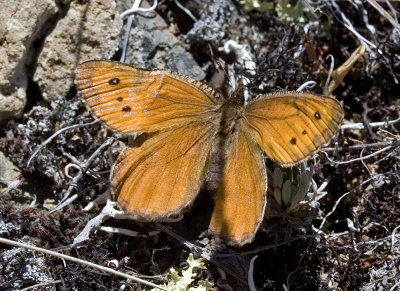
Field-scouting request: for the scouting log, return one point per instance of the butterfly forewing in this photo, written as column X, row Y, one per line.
column 290, row 126
column 163, row 175
column 129, row 99
column 240, row 201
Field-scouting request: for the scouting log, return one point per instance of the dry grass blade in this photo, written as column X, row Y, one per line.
column 79, row 261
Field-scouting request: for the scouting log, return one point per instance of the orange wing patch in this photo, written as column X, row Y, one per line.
column 240, row 201
column 164, row 174
column 130, row 100
column 290, row 126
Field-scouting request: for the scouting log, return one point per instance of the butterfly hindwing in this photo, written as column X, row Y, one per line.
column 290, row 126
column 163, row 175
column 240, row 200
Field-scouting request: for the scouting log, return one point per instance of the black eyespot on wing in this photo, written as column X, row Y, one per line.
column 293, row 141
column 304, row 132
column 317, row 115
column 126, row 108
column 113, row 81
column 120, row 99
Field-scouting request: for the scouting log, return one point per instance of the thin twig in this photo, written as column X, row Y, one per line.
column 306, row 86
column 250, row 277
column 187, row 11
column 136, row 8
column 36, row 286
column 131, row 12
column 357, row 159
column 372, row 124
column 394, row 235
column 79, row 261
column 360, row 146
column 79, row 175
column 334, row 7
column 344, row 195
column 40, row 147
column 385, row 14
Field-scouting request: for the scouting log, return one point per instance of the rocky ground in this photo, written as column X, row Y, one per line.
column 343, row 235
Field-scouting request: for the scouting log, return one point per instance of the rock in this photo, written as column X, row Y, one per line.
column 54, row 36
column 152, row 45
column 89, row 30
column 8, row 172
column 21, row 25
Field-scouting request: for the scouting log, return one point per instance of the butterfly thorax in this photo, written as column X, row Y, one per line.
column 231, row 114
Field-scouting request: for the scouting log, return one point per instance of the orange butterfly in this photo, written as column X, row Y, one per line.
column 164, row 175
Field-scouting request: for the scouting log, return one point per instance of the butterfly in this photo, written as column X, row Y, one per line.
column 188, row 119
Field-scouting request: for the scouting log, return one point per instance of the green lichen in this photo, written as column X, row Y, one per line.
column 287, row 10
column 182, row 281
column 262, row 6
column 291, row 12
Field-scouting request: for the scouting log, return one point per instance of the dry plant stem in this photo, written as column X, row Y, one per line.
column 13, row 185
column 79, row 261
column 100, row 199
column 93, row 224
column 36, row 287
column 395, row 286
column 250, row 277
column 39, row 148
column 135, row 8
column 306, row 86
column 187, row 11
column 81, row 172
column 329, row 78
column 127, row 232
column 362, row 158
column 361, row 146
column 64, row 203
column 76, row 163
column 358, row 159
column 394, row 236
column 297, row 267
column 385, row 14
column 343, row 196
column 372, row 124
column 377, row 242
column 341, row 72
column 346, row 22
column 123, row 231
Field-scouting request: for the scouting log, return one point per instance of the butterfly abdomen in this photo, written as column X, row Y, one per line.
column 230, row 118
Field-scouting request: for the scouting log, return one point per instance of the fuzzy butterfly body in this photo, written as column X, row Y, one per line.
column 164, row 174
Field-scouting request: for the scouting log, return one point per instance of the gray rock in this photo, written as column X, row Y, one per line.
column 54, row 36
column 89, row 30
column 152, row 45
column 8, row 172
column 21, row 25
